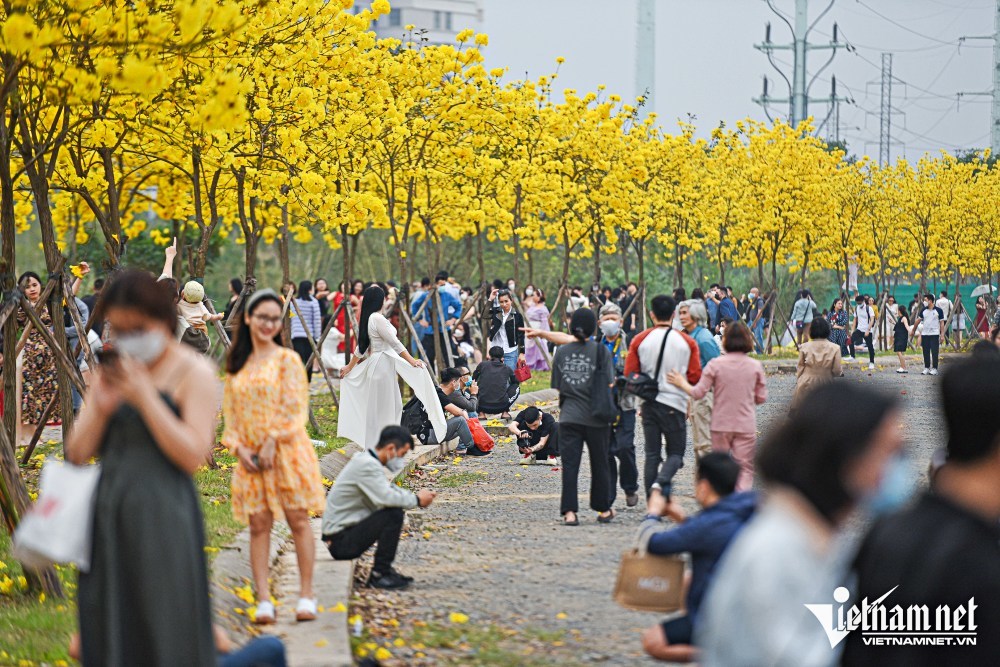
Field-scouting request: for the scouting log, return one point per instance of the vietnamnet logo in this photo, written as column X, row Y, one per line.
column 881, row 625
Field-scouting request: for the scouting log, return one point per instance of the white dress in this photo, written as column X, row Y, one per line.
column 369, row 395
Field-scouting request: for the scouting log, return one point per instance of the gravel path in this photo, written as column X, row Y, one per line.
column 492, row 547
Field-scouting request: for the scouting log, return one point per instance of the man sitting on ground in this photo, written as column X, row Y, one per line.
column 498, row 388
column 364, row 507
column 537, row 436
column 705, row 536
column 458, row 419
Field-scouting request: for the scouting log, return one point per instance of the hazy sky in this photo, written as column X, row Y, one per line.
column 706, row 64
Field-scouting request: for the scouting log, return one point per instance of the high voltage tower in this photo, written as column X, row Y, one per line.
column 995, row 93
column 798, row 88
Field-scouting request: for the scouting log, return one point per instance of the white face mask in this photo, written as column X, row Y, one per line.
column 529, row 292
column 610, row 328
column 144, row 347
column 396, row 465
column 510, row 286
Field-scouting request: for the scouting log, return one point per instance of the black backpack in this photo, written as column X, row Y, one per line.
column 416, row 421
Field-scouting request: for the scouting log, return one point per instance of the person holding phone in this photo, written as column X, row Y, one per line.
column 150, row 416
column 266, row 407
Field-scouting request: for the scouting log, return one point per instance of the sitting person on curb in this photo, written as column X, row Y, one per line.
column 364, row 507
column 537, row 436
column 466, row 396
column 705, row 536
column 458, row 419
column 498, row 389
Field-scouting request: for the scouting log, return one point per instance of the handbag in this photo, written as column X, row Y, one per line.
column 484, row 441
column 602, row 401
column 647, row 582
column 59, row 526
column 643, row 386
column 522, row 373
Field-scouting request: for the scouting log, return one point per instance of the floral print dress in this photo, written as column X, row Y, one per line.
column 838, row 336
column 39, row 383
column 270, row 398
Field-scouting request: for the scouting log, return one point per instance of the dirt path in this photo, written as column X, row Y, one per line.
column 535, row 592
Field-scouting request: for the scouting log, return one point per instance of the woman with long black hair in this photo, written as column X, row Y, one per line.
column 307, row 320
column 369, row 394
column 266, row 407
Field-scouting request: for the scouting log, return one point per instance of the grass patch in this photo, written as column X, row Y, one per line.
column 539, row 380
column 33, row 628
column 455, row 480
column 325, row 413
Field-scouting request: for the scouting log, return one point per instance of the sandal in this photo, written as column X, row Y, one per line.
column 306, row 610
column 574, row 522
column 264, row 614
column 506, row 416
column 606, row 518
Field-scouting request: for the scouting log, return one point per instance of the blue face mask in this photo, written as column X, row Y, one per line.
column 894, row 490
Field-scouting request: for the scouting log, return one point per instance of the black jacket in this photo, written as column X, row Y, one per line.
column 514, row 326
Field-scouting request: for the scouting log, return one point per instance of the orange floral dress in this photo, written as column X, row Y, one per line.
column 271, row 398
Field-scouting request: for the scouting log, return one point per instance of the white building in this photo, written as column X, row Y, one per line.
column 441, row 19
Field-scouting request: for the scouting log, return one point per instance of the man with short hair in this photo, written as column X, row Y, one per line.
column 458, row 419
column 712, row 306
column 447, row 316
column 930, row 337
column 692, row 316
column 943, row 549
column 498, row 388
column 621, row 450
column 705, row 536
column 506, row 327
column 664, row 416
column 364, row 507
column 537, row 435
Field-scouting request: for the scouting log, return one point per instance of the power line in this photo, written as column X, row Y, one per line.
column 901, row 26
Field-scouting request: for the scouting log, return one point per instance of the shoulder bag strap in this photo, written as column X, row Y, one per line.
column 659, row 362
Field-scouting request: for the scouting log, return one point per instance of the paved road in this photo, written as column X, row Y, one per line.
column 493, row 548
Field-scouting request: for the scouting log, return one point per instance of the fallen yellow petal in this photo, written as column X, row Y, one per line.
column 561, row 615
column 340, row 608
column 458, row 617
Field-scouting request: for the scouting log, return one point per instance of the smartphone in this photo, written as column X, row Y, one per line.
column 256, row 460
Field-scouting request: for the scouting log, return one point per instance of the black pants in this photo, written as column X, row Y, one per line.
column 383, row 526
column 871, row 347
column 621, row 457
column 660, row 421
column 571, row 440
column 551, row 447
column 931, row 345
column 302, row 346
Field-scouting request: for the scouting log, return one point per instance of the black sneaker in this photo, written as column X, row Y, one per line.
column 399, row 574
column 475, row 451
column 391, row 581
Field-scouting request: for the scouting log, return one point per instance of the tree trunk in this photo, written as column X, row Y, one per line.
column 286, row 269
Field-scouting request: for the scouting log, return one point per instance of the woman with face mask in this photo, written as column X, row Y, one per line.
column 38, row 375
column 266, row 408
column 821, row 472
column 150, row 416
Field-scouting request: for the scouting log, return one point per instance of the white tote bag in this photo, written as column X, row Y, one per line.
column 59, row 526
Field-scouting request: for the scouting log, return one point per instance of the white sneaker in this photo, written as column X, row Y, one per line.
column 902, row 370
column 527, row 460
column 849, row 359
column 871, row 367
column 926, row 371
column 305, row 610
column 264, row 614
column 933, row 371
column 551, row 461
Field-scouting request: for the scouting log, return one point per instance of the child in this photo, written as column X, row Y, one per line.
column 901, row 339
column 194, row 312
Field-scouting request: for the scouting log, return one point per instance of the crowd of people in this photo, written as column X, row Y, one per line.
column 151, row 410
